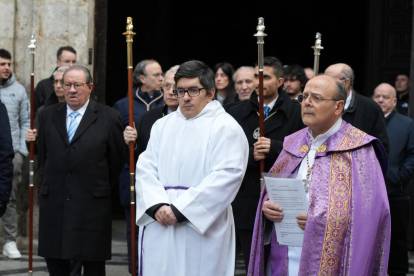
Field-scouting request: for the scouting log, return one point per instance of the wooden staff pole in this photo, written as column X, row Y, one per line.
column 129, row 39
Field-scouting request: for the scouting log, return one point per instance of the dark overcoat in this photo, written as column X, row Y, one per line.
column 75, row 196
column 284, row 119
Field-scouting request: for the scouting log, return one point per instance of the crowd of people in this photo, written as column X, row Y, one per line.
column 198, row 149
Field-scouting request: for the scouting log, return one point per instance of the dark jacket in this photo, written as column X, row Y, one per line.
column 401, row 158
column 365, row 114
column 75, row 220
column 44, row 89
column 6, row 155
column 403, row 104
column 139, row 109
column 284, row 122
column 144, row 131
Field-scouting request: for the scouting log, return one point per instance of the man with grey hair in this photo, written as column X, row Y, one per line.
column 360, row 111
column 400, row 130
column 347, row 225
column 79, row 142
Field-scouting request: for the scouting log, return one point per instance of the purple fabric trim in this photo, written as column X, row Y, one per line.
column 142, row 243
column 175, row 188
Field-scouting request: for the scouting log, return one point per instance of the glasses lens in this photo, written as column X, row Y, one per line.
column 300, row 98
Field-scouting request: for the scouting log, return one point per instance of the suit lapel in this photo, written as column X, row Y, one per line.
column 88, row 118
column 60, row 121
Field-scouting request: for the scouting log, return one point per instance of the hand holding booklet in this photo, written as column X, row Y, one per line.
column 290, row 195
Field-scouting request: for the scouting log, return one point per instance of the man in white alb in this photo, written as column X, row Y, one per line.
column 186, row 180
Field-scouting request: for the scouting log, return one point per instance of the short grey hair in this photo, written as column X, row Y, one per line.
column 60, row 69
column 349, row 74
column 241, row 68
column 140, row 70
column 88, row 77
column 172, row 70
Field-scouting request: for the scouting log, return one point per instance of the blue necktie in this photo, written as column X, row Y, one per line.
column 73, row 124
column 266, row 110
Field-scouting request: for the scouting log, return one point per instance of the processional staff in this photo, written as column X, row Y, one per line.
column 317, row 52
column 260, row 41
column 129, row 39
column 32, row 48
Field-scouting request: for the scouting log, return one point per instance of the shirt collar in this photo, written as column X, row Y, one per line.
column 80, row 110
column 320, row 139
column 348, row 100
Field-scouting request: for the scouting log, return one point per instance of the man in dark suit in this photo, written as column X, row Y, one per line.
column 400, row 170
column 283, row 119
column 80, row 150
column 360, row 111
column 6, row 159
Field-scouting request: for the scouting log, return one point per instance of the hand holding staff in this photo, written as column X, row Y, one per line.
column 32, row 48
column 260, row 41
column 317, row 52
column 129, row 39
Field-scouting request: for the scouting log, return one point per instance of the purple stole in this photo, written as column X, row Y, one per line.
column 348, row 226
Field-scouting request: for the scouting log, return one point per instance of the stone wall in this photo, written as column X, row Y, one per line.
column 54, row 23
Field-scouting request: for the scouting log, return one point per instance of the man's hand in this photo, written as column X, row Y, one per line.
column 261, row 148
column 3, row 207
column 272, row 211
column 165, row 216
column 130, row 135
column 302, row 218
column 31, row 135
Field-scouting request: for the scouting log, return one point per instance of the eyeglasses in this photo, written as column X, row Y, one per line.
column 154, row 75
column 192, row 92
column 58, row 81
column 168, row 86
column 78, row 86
column 313, row 98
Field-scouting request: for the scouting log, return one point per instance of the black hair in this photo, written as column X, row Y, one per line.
column 229, row 71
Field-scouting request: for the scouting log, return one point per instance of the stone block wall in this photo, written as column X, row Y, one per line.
column 54, row 23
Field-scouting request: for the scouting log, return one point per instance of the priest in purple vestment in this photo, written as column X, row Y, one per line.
column 347, row 226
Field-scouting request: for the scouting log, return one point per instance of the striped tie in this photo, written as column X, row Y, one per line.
column 266, row 111
column 73, row 125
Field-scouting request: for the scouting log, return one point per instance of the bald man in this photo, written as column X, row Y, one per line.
column 360, row 111
column 346, row 228
column 401, row 168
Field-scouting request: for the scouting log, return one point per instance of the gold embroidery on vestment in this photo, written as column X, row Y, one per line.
column 340, row 191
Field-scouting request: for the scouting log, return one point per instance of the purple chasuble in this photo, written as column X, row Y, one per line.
column 348, row 227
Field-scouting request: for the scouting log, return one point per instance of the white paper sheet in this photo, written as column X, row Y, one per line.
column 290, row 194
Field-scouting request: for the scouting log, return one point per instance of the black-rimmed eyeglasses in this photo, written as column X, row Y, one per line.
column 192, row 92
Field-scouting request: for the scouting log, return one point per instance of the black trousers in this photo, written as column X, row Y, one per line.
column 245, row 237
column 398, row 261
column 59, row 267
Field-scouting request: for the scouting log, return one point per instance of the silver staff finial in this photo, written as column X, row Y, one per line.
column 32, row 45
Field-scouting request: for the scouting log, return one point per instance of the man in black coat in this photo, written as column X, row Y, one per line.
column 400, row 170
column 6, row 159
column 80, row 150
column 360, row 111
column 284, row 118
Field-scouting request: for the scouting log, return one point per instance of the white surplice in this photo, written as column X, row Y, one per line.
column 208, row 154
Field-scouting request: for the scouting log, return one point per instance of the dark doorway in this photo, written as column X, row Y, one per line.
column 173, row 32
